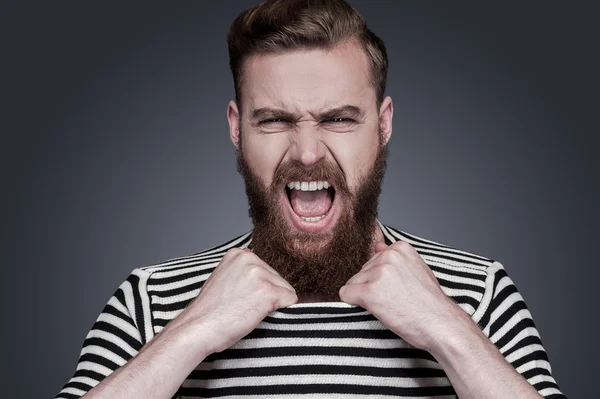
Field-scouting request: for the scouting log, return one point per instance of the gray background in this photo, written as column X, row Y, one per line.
column 116, row 155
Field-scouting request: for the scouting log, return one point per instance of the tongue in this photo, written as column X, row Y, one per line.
column 310, row 203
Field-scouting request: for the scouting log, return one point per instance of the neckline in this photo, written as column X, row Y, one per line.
column 322, row 305
column 308, row 309
column 387, row 238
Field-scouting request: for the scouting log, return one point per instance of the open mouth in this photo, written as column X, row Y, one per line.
column 311, row 204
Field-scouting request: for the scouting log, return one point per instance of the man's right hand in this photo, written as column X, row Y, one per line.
column 238, row 295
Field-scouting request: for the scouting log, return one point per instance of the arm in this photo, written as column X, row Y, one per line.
column 114, row 338
column 242, row 288
column 120, row 357
column 400, row 289
column 505, row 357
column 115, row 363
column 158, row 370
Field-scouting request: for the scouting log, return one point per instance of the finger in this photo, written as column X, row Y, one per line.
column 371, row 262
column 255, row 260
column 402, row 247
column 285, row 297
column 361, row 277
column 232, row 253
column 380, row 246
column 279, row 281
column 375, row 255
column 353, row 294
column 264, row 264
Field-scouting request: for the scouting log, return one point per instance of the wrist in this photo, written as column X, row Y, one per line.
column 455, row 334
column 190, row 342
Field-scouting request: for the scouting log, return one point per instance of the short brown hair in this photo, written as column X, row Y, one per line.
column 279, row 25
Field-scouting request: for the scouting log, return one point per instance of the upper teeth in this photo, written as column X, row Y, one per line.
column 308, row 186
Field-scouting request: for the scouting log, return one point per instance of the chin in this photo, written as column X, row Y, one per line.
column 304, row 245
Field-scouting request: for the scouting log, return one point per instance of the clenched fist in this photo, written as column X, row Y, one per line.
column 398, row 288
column 238, row 295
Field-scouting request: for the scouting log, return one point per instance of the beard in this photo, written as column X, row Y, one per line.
column 316, row 264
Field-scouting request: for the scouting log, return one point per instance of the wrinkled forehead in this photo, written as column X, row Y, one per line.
column 307, row 80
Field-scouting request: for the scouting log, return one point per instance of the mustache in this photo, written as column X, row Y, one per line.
column 322, row 170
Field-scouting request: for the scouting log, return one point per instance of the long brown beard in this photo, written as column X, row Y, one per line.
column 318, row 264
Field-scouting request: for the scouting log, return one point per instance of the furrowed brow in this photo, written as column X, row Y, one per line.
column 345, row 111
column 268, row 113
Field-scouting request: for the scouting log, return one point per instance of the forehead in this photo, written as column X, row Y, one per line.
column 308, row 79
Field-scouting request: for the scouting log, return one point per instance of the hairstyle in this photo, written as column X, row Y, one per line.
column 280, row 25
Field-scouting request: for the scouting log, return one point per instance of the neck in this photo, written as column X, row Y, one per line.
column 318, row 275
column 377, row 237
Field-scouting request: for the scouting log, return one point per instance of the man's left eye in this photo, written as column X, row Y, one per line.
column 340, row 120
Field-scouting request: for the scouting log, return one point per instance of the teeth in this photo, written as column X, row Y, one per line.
column 308, row 186
column 313, row 219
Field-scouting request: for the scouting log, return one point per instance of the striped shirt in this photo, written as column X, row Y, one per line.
column 330, row 349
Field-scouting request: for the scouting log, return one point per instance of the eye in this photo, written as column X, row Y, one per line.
column 340, row 121
column 272, row 120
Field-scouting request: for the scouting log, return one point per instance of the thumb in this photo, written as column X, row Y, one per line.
column 380, row 246
column 352, row 294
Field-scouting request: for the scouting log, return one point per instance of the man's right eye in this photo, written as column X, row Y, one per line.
column 272, row 120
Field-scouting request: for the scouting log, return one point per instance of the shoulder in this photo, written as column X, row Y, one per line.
column 436, row 252
column 464, row 276
column 190, row 262
column 169, row 286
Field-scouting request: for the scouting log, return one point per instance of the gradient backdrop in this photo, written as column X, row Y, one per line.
column 117, row 156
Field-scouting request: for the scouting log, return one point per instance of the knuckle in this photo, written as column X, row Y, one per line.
column 253, row 271
column 246, row 256
column 274, row 302
column 405, row 247
column 391, row 256
column 384, row 271
column 401, row 245
column 234, row 251
column 232, row 254
column 264, row 286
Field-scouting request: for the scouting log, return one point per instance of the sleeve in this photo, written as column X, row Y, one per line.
column 120, row 331
column 506, row 321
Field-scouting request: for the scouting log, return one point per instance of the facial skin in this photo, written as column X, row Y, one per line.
column 287, row 132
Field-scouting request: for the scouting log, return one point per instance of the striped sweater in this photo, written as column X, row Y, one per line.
column 328, row 349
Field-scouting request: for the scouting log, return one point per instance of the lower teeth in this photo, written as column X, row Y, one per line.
column 315, row 218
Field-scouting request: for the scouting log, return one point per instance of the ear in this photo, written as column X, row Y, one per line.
column 233, row 116
column 386, row 112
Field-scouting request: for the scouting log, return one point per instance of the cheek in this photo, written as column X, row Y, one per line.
column 355, row 156
column 264, row 154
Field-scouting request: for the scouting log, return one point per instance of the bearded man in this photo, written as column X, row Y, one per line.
column 321, row 298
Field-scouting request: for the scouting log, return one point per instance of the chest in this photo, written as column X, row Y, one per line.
column 302, row 351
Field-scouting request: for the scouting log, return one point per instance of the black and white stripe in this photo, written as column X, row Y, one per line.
column 322, row 349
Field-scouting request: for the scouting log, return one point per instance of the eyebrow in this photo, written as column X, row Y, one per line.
column 346, row 111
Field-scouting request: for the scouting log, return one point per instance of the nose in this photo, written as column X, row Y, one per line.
column 307, row 146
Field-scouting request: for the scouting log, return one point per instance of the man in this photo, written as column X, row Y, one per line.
column 320, row 298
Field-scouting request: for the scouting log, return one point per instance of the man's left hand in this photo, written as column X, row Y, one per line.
column 398, row 288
